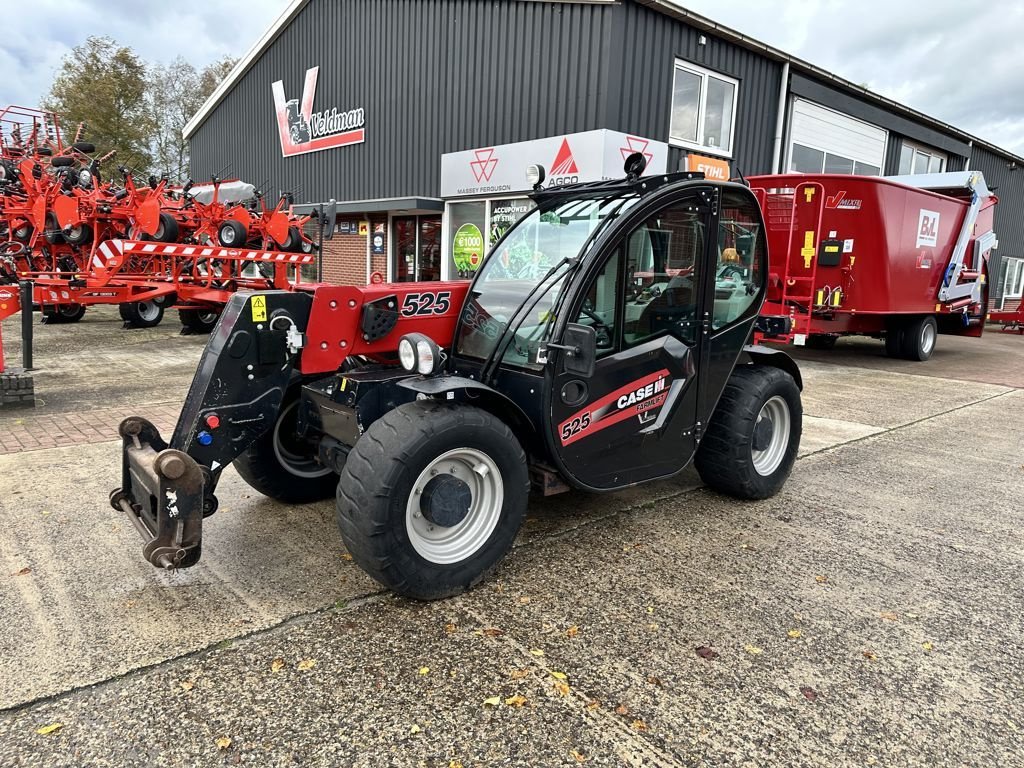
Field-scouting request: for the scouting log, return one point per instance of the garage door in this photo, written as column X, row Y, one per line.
column 825, row 141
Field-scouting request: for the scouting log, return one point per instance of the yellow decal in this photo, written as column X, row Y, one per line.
column 259, row 309
column 809, row 193
column 852, row 259
column 819, row 297
column 938, row 307
column 344, row 383
column 364, row 228
column 808, row 250
column 837, row 297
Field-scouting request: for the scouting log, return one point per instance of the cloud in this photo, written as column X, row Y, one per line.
column 958, row 61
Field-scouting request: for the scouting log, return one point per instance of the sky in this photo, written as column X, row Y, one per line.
column 961, row 61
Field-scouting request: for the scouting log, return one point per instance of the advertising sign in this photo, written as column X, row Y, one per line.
column 712, row 167
column 467, row 248
column 927, row 228
column 302, row 130
column 568, row 159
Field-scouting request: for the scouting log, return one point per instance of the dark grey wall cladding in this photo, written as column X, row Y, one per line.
column 1009, row 218
column 434, row 76
column 646, row 45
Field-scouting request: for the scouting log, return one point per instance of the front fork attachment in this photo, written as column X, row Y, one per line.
column 165, row 493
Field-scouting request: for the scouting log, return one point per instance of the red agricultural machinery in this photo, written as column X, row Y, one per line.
column 900, row 258
column 83, row 240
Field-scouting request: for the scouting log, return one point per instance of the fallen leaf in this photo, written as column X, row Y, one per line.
column 524, row 600
column 650, row 609
column 577, row 756
column 821, row 579
column 536, row 652
column 449, row 628
column 187, row 685
column 515, row 701
column 306, row 664
column 455, row 764
column 708, row 654
column 794, row 633
column 415, row 728
column 869, row 655
column 928, row 647
column 277, row 664
column 572, row 631
column 653, row 626
column 24, row 572
column 809, row 693
column 593, row 704
column 889, row 616
column 912, row 615
column 653, row 680
column 562, row 688
column 558, row 675
column 493, row 701
column 346, row 556
column 753, row 650
column 46, row 730
column 518, row 674
column 638, row 725
column 492, row 632
column 424, row 670
column 223, row 742
column 622, row 709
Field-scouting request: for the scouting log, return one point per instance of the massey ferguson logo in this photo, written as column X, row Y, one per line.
column 636, row 144
column 927, row 228
column 302, row 130
column 484, row 165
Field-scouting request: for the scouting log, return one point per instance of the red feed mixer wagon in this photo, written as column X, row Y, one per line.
column 899, row 258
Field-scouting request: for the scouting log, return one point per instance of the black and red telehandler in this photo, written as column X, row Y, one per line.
column 604, row 342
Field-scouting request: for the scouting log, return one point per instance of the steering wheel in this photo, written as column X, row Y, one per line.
column 729, row 271
column 602, row 331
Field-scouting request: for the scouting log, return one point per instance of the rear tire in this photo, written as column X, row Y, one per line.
column 754, row 434
column 894, row 340
column 198, row 320
column 431, row 498
column 142, row 314
column 919, row 337
column 282, row 465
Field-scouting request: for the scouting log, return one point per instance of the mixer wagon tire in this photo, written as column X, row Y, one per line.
column 919, row 337
column 167, row 230
column 63, row 313
column 431, row 498
column 198, row 320
column 894, row 339
column 142, row 314
column 821, row 341
column 754, row 434
column 283, row 465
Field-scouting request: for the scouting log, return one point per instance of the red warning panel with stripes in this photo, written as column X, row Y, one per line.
column 639, row 398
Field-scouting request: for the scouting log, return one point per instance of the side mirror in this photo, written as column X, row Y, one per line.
column 580, row 346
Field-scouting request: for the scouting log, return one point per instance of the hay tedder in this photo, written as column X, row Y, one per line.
column 592, row 350
column 82, row 239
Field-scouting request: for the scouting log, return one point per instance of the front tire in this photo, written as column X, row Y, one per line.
column 752, row 439
column 431, row 498
column 284, row 466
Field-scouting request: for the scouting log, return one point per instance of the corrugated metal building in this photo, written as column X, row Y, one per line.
column 358, row 102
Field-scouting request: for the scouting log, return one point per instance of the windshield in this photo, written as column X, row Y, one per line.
column 528, row 267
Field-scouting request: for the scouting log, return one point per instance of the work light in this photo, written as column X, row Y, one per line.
column 420, row 353
column 535, row 175
column 407, row 354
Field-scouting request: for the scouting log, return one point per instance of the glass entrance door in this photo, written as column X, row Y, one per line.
column 417, row 248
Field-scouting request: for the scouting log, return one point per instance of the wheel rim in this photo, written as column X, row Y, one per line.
column 227, row 236
column 773, row 417
column 207, row 318
column 75, row 233
column 446, row 544
column 148, row 311
column 927, row 338
column 291, row 451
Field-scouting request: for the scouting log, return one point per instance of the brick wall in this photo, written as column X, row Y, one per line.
column 345, row 256
column 16, row 389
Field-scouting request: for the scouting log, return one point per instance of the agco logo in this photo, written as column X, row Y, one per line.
column 302, row 130
column 563, row 168
column 484, row 164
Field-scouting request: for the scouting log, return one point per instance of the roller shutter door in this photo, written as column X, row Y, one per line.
column 823, row 140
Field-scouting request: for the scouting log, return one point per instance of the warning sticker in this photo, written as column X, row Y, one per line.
column 259, row 309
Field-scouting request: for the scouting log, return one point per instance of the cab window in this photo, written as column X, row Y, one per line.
column 739, row 272
column 600, row 305
column 663, row 257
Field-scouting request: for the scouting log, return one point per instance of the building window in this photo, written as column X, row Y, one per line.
column 811, row 160
column 703, row 109
column 916, row 159
column 1013, row 283
column 474, row 226
column 416, row 243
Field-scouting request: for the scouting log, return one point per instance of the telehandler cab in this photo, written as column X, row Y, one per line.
column 604, row 342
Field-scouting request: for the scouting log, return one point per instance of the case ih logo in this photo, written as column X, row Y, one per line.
column 640, row 398
column 841, row 202
column 927, row 228
column 484, row 165
column 302, row 130
column 564, row 164
column 636, row 144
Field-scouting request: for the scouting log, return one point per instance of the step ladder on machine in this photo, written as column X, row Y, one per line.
column 801, row 263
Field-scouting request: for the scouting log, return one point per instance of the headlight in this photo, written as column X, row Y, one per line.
column 420, row 353
column 407, row 354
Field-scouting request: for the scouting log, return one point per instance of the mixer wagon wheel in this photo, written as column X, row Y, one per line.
column 821, row 341
column 919, row 337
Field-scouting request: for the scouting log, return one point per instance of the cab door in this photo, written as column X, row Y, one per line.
column 635, row 418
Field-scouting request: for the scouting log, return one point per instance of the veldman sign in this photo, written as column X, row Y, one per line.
column 302, row 130
column 569, row 158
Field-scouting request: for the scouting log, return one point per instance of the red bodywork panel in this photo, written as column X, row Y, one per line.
column 895, row 244
column 333, row 332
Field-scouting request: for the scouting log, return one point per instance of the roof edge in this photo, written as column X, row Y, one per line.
column 244, row 65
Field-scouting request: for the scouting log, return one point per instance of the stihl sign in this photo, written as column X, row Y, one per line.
column 302, row 130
